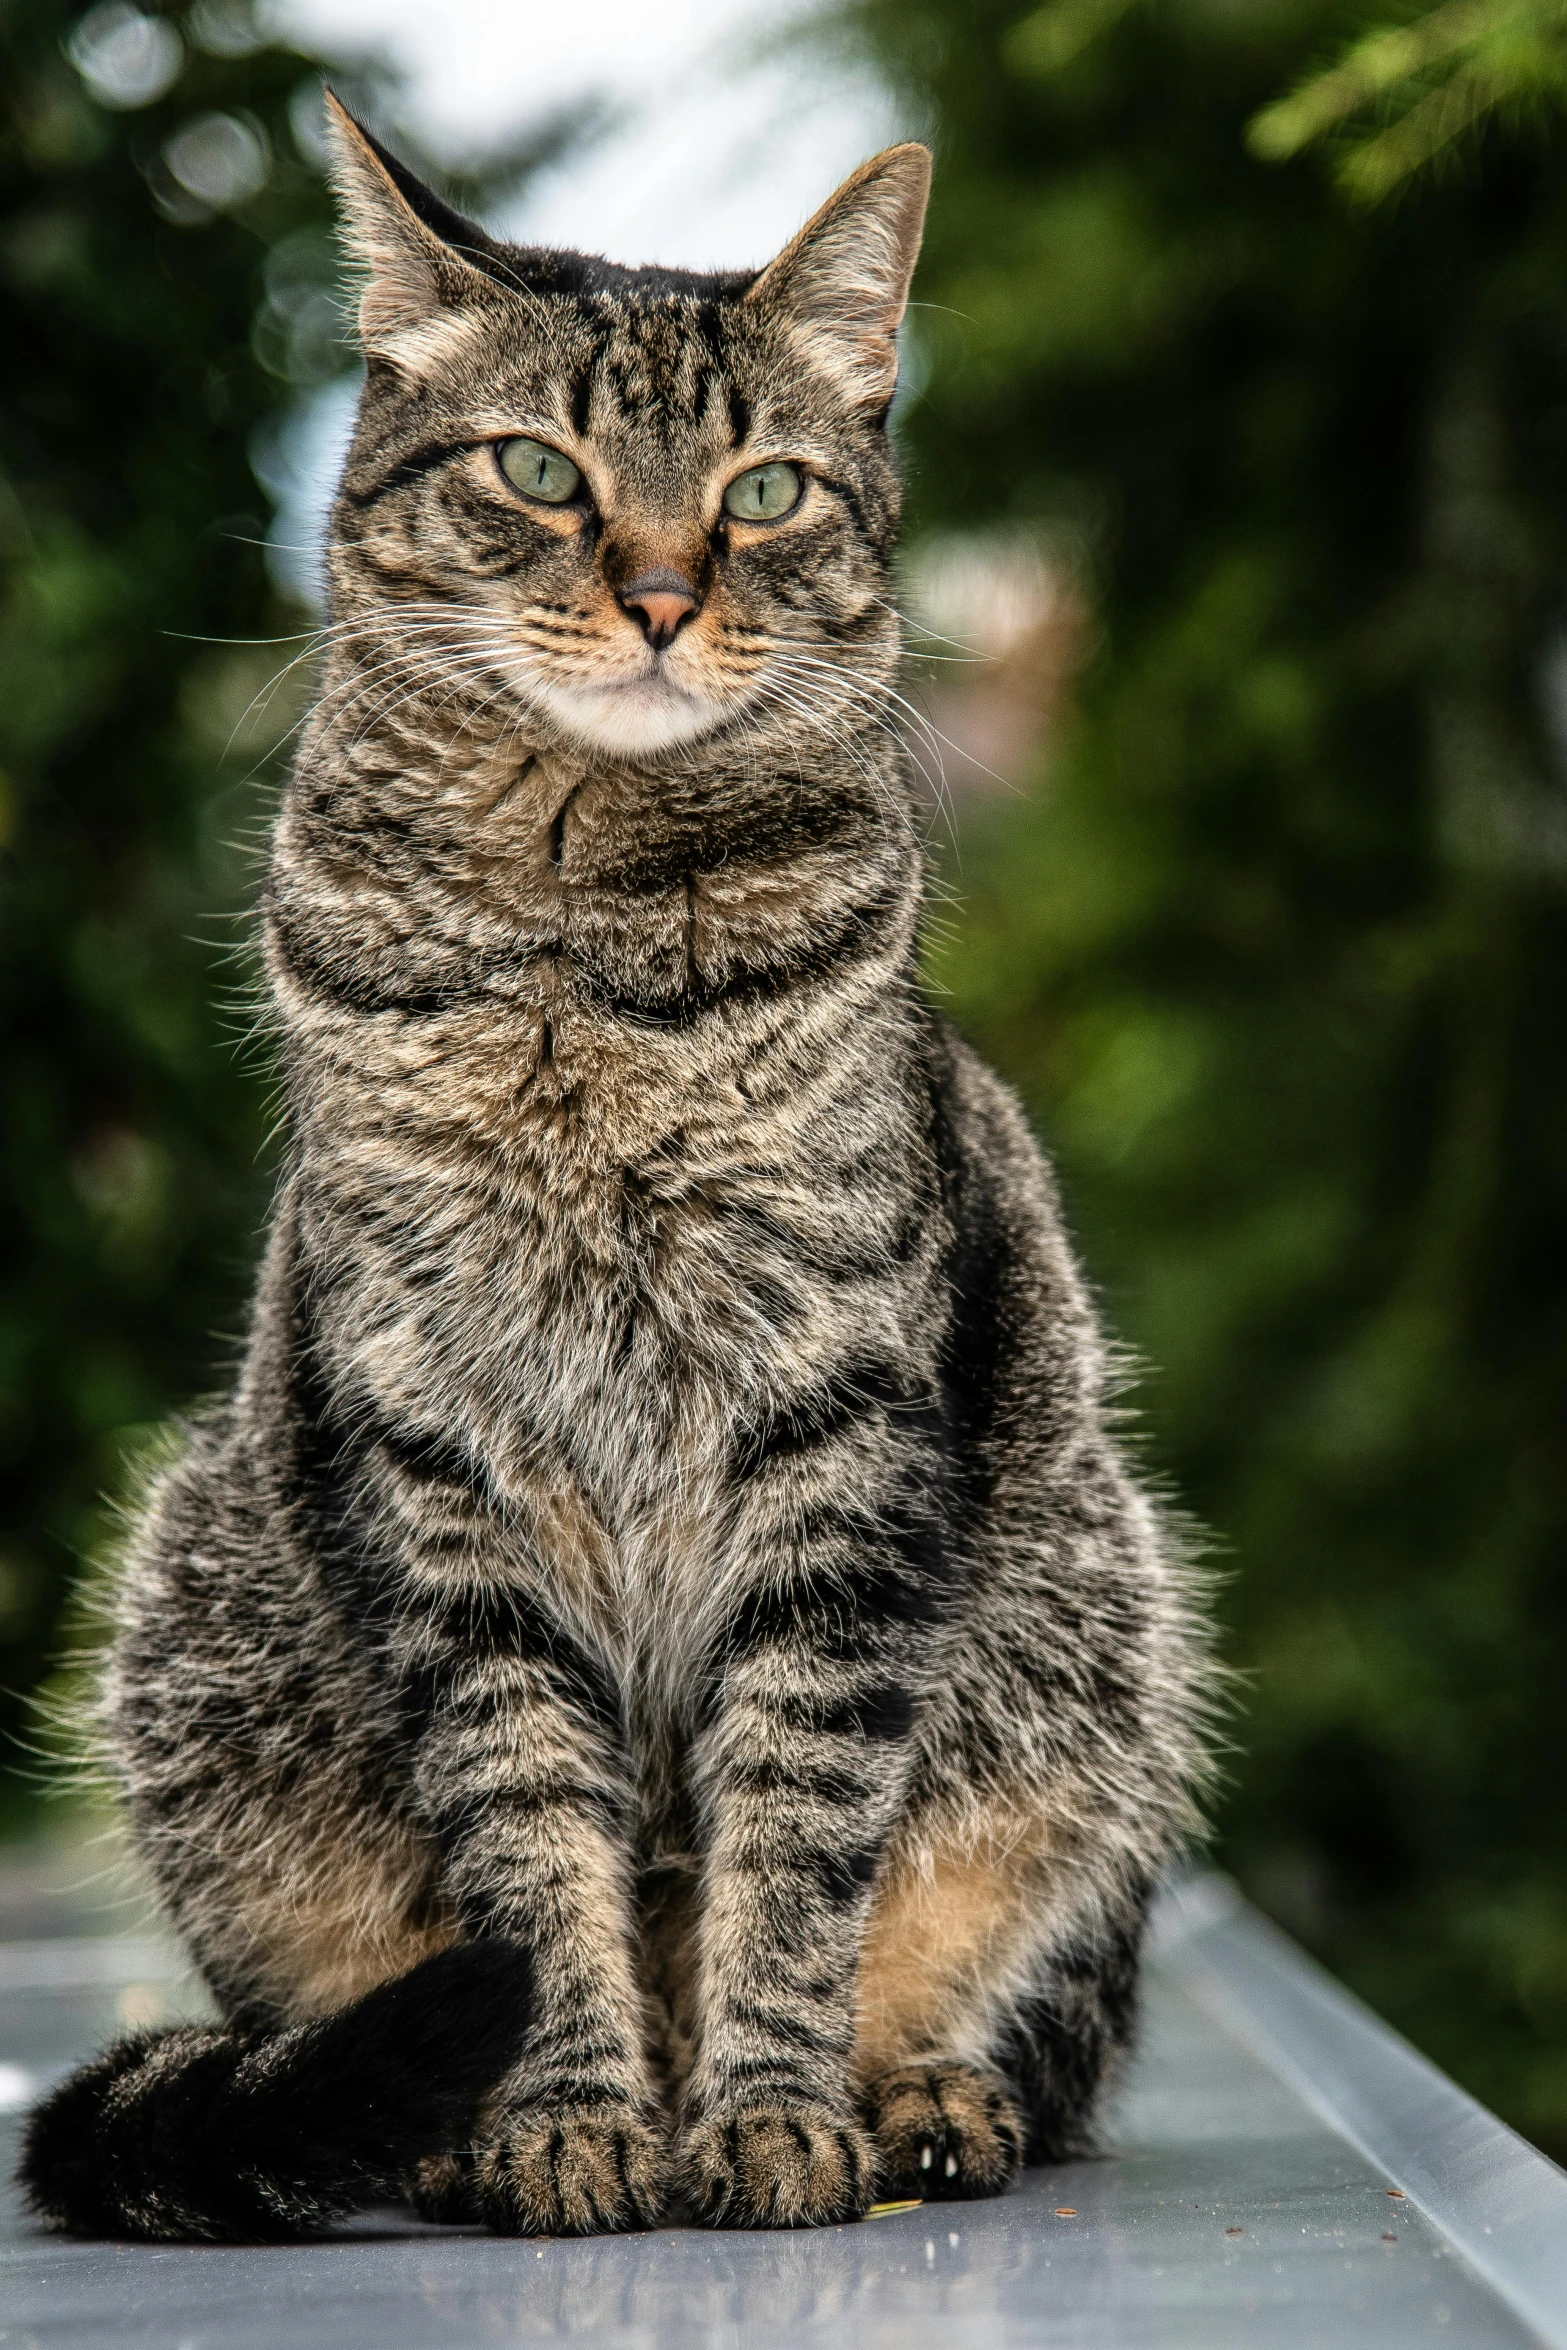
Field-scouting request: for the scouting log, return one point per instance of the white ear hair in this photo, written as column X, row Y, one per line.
column 844, row 280
column 414, row 282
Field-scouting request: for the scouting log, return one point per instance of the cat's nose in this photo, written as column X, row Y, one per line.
column 663, row 601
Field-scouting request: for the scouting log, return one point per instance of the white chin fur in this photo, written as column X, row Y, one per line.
column 631, row 720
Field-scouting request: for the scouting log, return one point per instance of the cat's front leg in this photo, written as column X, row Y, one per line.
column 801, row 1772
column 523, row 1777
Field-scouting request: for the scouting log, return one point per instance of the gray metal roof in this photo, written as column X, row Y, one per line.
column 1266, row 2123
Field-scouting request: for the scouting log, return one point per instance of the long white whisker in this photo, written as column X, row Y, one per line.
column 850, row 689
column 775, row 689
column 932, row 733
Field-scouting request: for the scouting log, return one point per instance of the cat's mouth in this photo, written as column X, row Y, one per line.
column 644, row 712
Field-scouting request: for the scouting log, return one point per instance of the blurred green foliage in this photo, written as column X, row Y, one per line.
column 1404, row 95
column 143, row 354
column 1278, row 948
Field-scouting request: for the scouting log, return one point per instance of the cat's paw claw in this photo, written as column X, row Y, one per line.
column 945, row 2132
column 594, row 2171
column 777, row 2166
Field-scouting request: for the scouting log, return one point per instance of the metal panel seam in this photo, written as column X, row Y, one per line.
column 1499, row 2202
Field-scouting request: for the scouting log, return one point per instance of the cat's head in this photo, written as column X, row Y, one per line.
column 642, row 504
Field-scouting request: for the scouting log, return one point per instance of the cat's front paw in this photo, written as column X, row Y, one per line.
column 594, row 2170
column 944, row 2132
column 777, row 2166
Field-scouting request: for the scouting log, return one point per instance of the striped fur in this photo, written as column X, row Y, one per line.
column 669, row 1511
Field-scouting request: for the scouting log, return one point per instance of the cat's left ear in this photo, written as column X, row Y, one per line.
column 408, row 243
column 843, row 282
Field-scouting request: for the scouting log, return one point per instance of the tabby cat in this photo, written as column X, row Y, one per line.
column 657, row 1691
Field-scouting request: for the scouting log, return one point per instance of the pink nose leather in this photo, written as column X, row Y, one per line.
column 663, row 601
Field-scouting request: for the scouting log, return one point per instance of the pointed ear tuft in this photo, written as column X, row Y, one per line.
column 403, row 236
column 844, row 280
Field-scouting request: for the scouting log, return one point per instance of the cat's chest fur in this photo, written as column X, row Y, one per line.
column 600, row 1177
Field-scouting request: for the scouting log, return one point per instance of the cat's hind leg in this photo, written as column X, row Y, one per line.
column 995, row 2000
column 943, row 2131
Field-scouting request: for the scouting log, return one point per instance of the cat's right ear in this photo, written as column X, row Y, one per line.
column 843, row 282
column 415, row 284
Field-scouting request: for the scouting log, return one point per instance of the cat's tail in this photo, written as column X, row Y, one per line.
column 234, row 2136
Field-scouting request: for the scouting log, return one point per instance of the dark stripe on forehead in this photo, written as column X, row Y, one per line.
column 666, row 361
column 582, row 396
column 707, row 331
column 739, row 416
column 628, row 381
column 704, row 392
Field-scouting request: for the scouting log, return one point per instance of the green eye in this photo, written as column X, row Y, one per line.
column 539, row 472
column 764, row 493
